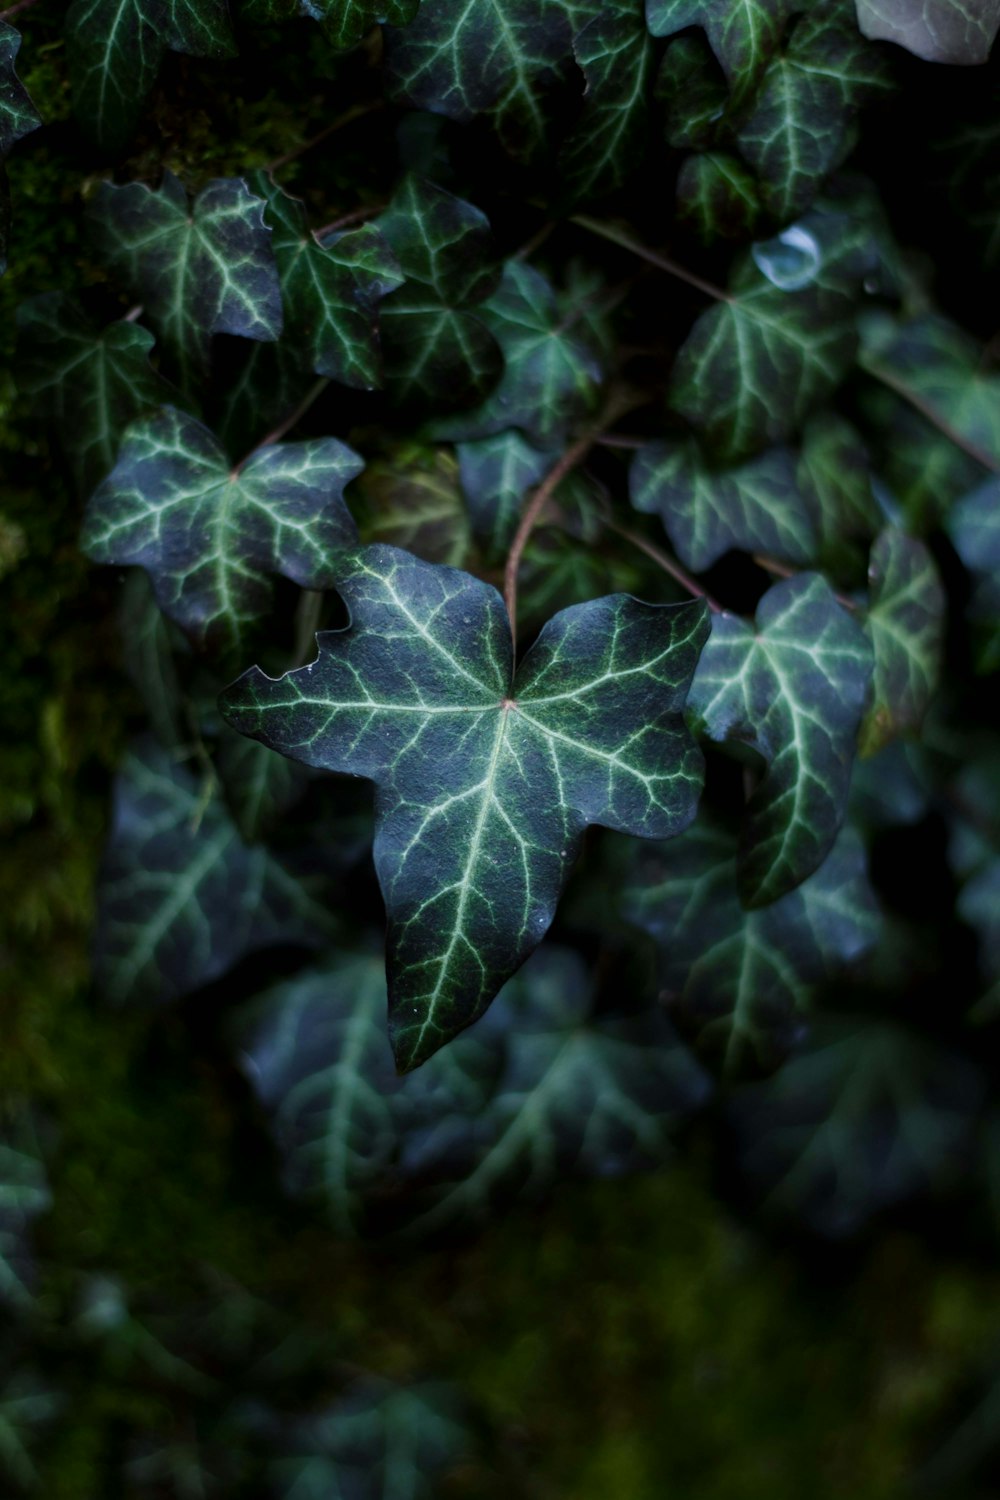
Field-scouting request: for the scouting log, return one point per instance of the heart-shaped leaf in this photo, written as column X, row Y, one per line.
column 487, row 777
column 497, row 473
column 906, row 616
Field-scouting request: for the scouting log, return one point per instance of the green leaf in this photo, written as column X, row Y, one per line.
column 437, row 350
column 794, row 689
column 150, row 642
column 614, row 53
column 259, row 785
column 199, row 268
column 496, row 56
column 330, row 290
column 864, row 1118
column 18, row 116
column 487, row 777
column 182, row 898
column 210, row 537
column 26, row 1404
column 115, row 48
column 974, row 524
column 717, row 197
column 797, row 129
column 345, row 23
column 24, row 1195
column 906, row 619
column 496, row 473
column 944, row 31
column 413, row 500
column 755, row 366
column 88, row 383
column 834, row 474
column 743, row 34
column 741, row 981
column 756, row 507
column 552, row 371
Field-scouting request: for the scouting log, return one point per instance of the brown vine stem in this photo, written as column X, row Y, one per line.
column 619, row 237
column 782, row 570
column 935, row 418
column 13, row 10
column 617, row 406
column 286, row 425
column 666, row 562
column 357, row 216
column 356, row 112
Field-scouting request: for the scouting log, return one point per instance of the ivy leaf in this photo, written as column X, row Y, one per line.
column 695, row 96
column 864, row 1118
column 974, row 524
column 741, row 980
column 795, row 689
column 331, row 290
column 834, row 474
column 578, row 1094
column 115, row 49
column 717, row 197
column 756, row 506
column 88, row 383
column 259, row 785
column 209, row 536
column 18, row 116
column 551, row 370
column 944, row 31
column 150, row 644
column 198, row 269
column 26, row 1404
column 436, row 349
column 344, row 23
column 754, row 366
column 797, row 129
column 24, row 1195
column 486, row 777
column 743, row 34
column 496, row 473
column 413, row 500
column 906, row 618
column 182, row 898
column 614, row 53
column 497, row 56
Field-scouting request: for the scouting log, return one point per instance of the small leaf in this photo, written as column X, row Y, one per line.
column 741, row 981
column 695, row 96
column 496, row 56
column 182, row 898
column 115, row 49
column 755, row 366
column 496, row 474
column 974, row 524
column 795, row 690
column 210, row 537
column 614, row 53
column 88, row 383
column 486, row 777
column 906, row 617
column 834, row 474
column 413, row 500
column 944, row 31
column 331, row 290
column 756, row 506
column 551, row 369
column 717, row 197
column 198, row 269
column 18, row 116
column 743, row 34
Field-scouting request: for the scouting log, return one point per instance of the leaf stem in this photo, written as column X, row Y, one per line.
column 619, row 237
column 666, row 562
column 616, row 407
column 286, row 425
column 782, row 570
column 935, row 418
column 356, row 112
column 357, row 216
column 12, row 10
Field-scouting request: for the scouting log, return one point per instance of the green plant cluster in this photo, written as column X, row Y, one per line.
column 541, row 460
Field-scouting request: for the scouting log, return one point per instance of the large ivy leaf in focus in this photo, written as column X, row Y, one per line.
column 552, row 369
column 181, row 898
column 744, row 34
column 944, row 31
column 863, row 1118
column 906, row 619
column 198, row 268
column 18, row 116
column 798, row 127
column 756, row 506
column 438, row 351
column 614, row 53
column 24, row 1195
column 739, row 980
column 89, row 383
column 501, row 56
column 331, row 289
column 378, row 1442
column 974, row 524
column 487, row 777
column 755, row 365
column 211, row 537
column 794, row 688
column 115, row 48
